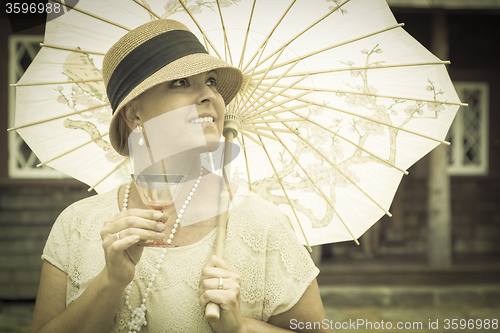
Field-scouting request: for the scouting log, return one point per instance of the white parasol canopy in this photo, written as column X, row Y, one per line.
column 338, row 101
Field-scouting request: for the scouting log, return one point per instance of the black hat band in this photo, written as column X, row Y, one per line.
column 147, row 59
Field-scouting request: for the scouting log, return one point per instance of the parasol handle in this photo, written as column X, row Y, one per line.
column 212, row 310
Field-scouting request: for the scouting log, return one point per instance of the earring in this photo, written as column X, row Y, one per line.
column 141, row 140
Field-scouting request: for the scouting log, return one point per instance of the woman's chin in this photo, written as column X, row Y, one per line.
column 213, row 144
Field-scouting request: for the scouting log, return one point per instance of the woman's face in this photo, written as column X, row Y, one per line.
column 198, row 90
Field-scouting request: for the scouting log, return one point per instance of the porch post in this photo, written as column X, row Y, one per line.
column 439, row 199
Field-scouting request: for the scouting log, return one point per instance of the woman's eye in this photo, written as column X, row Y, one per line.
column 212, row 82
column 179, row 82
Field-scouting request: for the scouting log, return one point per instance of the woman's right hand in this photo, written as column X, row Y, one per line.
column 132, row 226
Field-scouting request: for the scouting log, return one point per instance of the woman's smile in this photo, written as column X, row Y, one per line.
column 205, row 121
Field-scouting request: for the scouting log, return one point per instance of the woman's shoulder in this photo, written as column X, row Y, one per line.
column 255, row 212
column 90, row 210
column 101, row 200
column 264, row 228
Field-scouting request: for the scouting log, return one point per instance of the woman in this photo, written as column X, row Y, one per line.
column 95, row 277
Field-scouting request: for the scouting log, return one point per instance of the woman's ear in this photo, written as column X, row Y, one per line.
column 129, row 114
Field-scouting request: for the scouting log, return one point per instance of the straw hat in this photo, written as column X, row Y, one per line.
column 153, row 53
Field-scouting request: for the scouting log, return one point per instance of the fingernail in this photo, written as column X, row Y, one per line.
column 158, row 216
column 160, row 235
column 161, row 226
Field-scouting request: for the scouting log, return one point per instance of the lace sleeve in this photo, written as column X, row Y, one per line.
column 57, row 247
column 289, row 267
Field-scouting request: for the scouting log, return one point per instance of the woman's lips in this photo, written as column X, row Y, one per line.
column 204, row 121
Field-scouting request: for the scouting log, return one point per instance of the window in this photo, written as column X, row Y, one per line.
column 22, row 161
column 469, row 132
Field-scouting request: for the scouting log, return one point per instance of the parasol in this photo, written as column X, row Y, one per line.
column 338, row 101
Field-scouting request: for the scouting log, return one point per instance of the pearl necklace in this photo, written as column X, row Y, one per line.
column 138, row 317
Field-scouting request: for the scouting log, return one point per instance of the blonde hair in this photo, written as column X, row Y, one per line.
column 123, row 132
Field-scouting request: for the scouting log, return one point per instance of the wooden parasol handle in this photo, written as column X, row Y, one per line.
column 212, row 310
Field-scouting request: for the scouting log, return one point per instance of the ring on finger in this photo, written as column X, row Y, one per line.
column 118, row 236
column 221, row 283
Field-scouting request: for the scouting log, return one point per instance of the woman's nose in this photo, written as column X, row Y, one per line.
column 205, row 95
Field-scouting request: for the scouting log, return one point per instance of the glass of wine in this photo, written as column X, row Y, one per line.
column 158, row 192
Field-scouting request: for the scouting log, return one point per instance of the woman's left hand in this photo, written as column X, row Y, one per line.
column 228, row 297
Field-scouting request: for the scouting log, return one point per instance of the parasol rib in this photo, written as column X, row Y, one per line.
column 246, row 35
column 262, row 46
column 332, row 132
column 71, row 49
column 319, row 190
column 369, row 94
column 396, row 97
column 148, row 9
column 243, row 94
column 303, row 118
column 328, row 71
column 341, row 172
column 268, row 121
column 250, row 96
column 284, row 109
column 332, row 47
column 57, row 117
column 251, row 138
column 286, row 195
column 122, row 163
column 242, row 144
column 245, row 90
column 55, row 82
column 226, row 43
column 258, row 83
column 72, row 150
column 92, row 15
column 252, row 107
column 281, row 102
column 257, row 132
column 206, row 44
column 283, row 47
column 368, row 118
column 262, row 128
column 199, row 28
column 351, row 142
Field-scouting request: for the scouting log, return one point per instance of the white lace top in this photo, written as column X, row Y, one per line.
column 275, row 268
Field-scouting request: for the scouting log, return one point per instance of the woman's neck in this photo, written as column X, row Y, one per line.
column 183, row 165
column 189, row 166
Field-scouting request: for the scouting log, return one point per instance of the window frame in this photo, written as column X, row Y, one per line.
column 14, row 140
column 456, row 166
